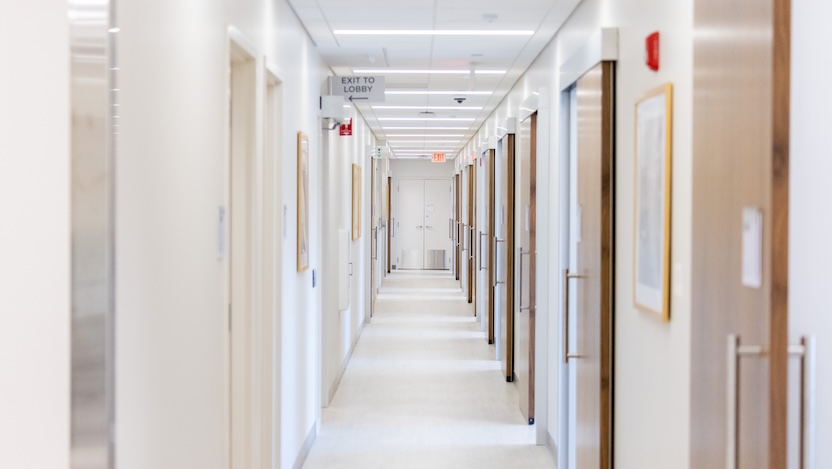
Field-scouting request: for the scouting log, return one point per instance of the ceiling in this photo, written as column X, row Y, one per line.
column 487, row 65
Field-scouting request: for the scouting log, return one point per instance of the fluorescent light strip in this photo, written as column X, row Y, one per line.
column 432, row 32
column 455, row 119
column 428, row 72
column 397, row 142
column 425, row 135
column 435, row 108
column 424, row 128
column 439, row 92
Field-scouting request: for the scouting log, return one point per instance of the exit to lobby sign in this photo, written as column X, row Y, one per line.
column 360, row 89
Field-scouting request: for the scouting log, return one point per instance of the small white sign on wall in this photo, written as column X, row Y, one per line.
column 752, row 247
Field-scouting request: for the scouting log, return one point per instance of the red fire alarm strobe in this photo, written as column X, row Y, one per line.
column 652, row 46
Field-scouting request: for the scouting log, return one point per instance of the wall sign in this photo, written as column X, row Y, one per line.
column 362, row 89
column 346, row 129
column 438, row 158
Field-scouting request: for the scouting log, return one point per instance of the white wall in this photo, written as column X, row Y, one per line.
column 810, row 256
column 341, row 329
column 34, row 235
column 652, row 358
column 171, row 179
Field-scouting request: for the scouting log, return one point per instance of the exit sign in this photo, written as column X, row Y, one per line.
column 438, row 158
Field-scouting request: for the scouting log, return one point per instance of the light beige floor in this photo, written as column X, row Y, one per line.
column 421, row 391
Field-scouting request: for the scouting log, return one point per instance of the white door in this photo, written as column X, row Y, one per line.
column 411, row 225
column 437, row 212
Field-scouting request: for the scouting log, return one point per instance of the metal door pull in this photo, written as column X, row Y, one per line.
column 566, row 277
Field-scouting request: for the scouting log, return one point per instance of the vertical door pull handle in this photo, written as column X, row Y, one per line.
column 480, row 250
column 520, row 293
column 496, row 244
column 566, row 278
column 735, row 352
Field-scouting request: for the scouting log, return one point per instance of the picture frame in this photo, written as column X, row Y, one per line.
column 356, row 202
column 303, row 202
column 652, row 193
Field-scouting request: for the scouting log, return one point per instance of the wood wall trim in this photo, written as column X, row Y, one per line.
column 607, row 262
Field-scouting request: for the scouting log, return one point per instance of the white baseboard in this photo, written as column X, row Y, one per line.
column 307, row 446
column 334, row 388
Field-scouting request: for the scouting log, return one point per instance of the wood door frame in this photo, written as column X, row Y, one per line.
column 389, row 222
column 601, row 49
column 781, row 144
column 508, row 347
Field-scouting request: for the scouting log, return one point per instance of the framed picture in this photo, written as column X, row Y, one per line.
column 303, row 202
column 653, row 158
column 356, row 201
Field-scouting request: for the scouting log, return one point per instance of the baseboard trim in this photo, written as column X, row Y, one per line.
column 337, row 383
column 307, row 447
column 553, row 449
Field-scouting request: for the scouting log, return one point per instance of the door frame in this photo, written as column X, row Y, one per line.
column 601, row 47
column 399, row 213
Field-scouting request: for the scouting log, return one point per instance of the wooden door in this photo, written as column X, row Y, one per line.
column 525, row 309
column 592, row 354
column 491, row 237
column 505, row 254
column 740, row 165
column 471, row 235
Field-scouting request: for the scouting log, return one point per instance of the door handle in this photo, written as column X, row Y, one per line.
column 418, row 227
column 428, row 227
column 566, row 278
column 735, row 352
column 481, row 256
column 471, row 242
column 520, row 295
column 496, row 244
column 808, row 437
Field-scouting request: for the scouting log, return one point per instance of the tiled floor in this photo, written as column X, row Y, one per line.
column 421, row 391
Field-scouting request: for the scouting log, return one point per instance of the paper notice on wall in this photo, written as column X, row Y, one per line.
column 752, row 247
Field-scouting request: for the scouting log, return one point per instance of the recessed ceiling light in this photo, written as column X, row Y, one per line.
column 435, row 108
column 383, row 71
column 425, row 135
column 396, row 142
column 456, row 119
column 439, row 92
column 424, row 128
column 434, row 32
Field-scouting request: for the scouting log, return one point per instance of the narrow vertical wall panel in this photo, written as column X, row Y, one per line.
column 93, row 79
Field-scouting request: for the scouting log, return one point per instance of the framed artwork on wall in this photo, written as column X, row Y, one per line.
column 356, row 201
column 303, row 202
column 653, row 170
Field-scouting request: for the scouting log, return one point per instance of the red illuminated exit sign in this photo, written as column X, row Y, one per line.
column 438, row 158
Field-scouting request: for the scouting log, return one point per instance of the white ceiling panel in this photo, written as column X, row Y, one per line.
column 381, row 54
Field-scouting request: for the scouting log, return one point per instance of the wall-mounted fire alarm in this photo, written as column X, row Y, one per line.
column 652, row 51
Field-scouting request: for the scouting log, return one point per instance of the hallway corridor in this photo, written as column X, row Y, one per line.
column 422, row 390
